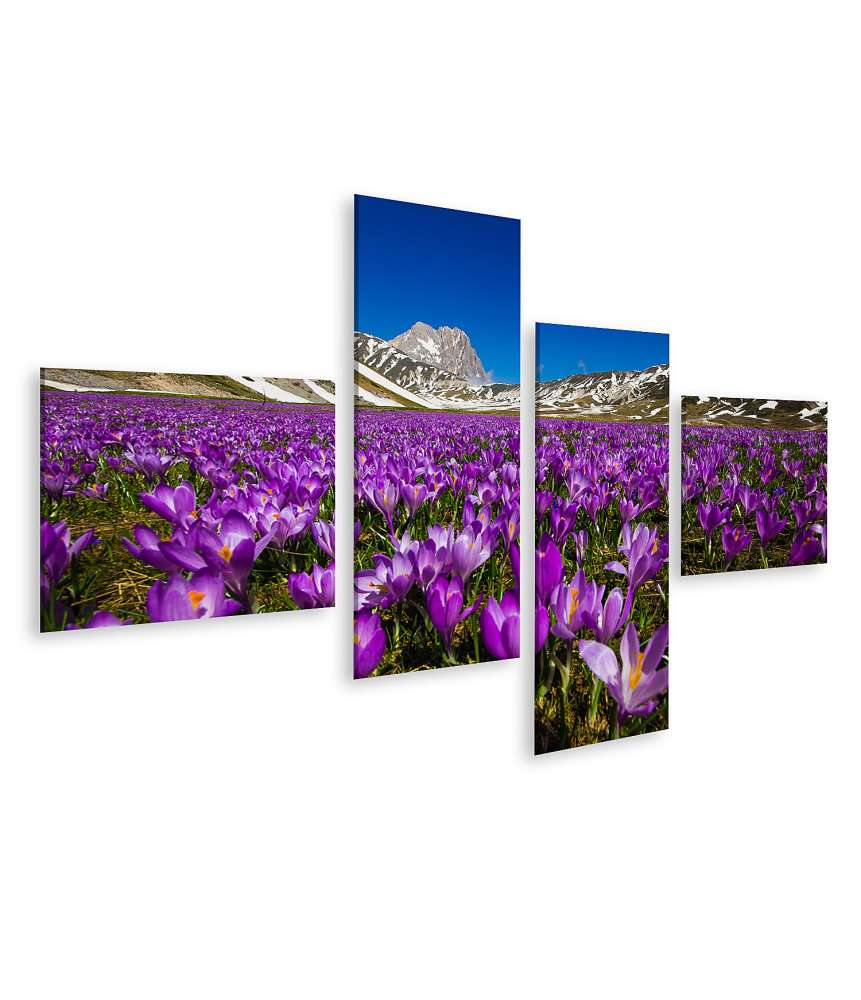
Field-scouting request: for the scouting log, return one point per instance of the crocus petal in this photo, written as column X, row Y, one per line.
column 600, row 659
column 656, row 648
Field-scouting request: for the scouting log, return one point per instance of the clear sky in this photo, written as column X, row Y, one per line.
column 567, row 350
column 443, row 267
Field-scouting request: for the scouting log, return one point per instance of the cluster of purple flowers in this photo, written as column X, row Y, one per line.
column 601, row 491
column 753, row 497
column 233, row 485
column 437, row 500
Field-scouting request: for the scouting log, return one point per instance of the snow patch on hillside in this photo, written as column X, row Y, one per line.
column 323, row 393
column 267, row 389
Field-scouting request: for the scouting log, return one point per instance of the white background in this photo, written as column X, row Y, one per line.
column 217, row 810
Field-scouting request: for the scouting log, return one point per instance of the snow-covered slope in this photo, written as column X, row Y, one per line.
column 632, row 393
column 268, row 389
column 409, row 382
column 798, row 414
column 329, row 397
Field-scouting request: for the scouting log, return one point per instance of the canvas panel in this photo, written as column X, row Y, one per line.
column 601, row 534
column 437, row 486
column 168, row 497
column 754, row 483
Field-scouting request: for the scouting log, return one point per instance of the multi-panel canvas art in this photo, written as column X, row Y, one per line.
column 754, row 483
column 437, row 487
column 167, row 497
column 602, row 535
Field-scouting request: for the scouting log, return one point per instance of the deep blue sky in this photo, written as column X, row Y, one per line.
column 443, row 267
column 566, row 350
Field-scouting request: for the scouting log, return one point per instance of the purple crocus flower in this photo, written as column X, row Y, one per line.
column 691, row 488
column 149, row 549
column 291, row 521
column 511, row 527
column 385, row 498
column 500, row 626
column 309, row 489
column 486, row 493
column 106, row 619
column 735, row 539
column 542, row 626
column 386, row 584
column 640, row 539
column 406, row 545
column 581, row 544
column 605, row 621
column 152, row 464
column 185, row 548
column 628, row 509
column 176, row 505
column 646, row 554
column 749, row 498
column 323, row 533
column 469, row 551
column 543, row 502
column 548, row 569
column 179, row 599
column 442, row 536
column 639, row 684
column 233, row 551
column 769, row 525
column 769, row 471
column 95, row 491
column 822, row 531
column 430, row 562
column 413, row 496
column 369, row 643
column 802, row 511
column 562, row 519
column 574, row 604
column 55, row 484
column 729, row 491
column 806, row 545
column 314, row 590
column 711, row 516
column 445, row 607
column 592, row 505
column 57, row 549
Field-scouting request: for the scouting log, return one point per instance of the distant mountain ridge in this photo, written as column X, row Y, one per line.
column 734, row 411
column 388, row 377
column 445, row 347
column 633, row 395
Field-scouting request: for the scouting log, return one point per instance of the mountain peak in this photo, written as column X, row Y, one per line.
column 419, row 327
column 445, row 347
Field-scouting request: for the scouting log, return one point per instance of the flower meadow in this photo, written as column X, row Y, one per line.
column 753, row 498
column 601, row 580
column 437, row 502
column 167, row 508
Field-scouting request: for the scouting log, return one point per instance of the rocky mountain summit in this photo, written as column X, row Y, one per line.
column 445, row 347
